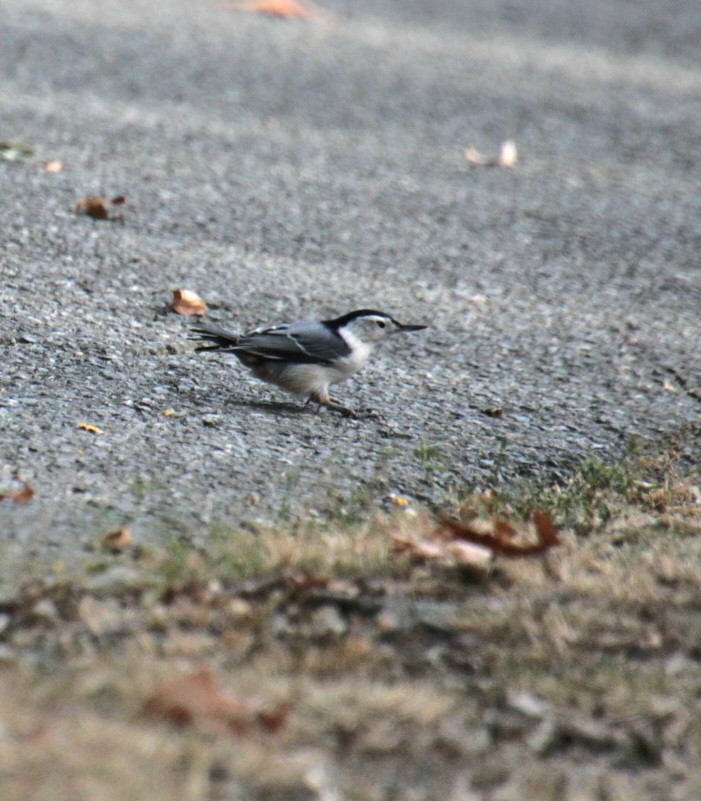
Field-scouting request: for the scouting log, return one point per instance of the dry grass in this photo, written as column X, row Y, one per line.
column 574, row 675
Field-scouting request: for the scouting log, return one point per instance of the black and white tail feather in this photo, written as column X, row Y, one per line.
column 217, row 337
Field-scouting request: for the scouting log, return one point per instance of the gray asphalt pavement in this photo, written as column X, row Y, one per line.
column 293, row 169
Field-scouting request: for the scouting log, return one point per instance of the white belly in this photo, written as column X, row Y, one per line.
column 306, row 379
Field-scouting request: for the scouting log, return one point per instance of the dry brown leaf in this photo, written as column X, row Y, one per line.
column 97, row 207
column 53, row 166
column 93, row 206
column 473, row 543
column 196, row 699
column 187, row 302
column 282, row 9
column 501, row 540
column 117, row 541
column 23, row 495
column 89, row 427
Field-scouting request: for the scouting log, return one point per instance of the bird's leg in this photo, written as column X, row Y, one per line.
column 322, row 398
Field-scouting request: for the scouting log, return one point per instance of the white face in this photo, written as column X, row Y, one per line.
column 372, row 328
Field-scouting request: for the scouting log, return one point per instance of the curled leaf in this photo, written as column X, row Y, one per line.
column 187, row 302
column 508, row 156
column 501, row 540
column 474, row 543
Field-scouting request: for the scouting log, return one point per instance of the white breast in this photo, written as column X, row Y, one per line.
column 360, row 352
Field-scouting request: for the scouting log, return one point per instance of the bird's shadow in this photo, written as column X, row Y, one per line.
column 289, row 409
column 280, row 407
column 274, row 407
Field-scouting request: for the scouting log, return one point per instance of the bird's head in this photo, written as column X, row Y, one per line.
column 369, row 325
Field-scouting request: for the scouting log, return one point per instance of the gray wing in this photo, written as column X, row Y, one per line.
column 304, row 343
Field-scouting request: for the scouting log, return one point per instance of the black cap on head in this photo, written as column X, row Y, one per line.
column 345, row 319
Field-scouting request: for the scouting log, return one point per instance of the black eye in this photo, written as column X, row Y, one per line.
column 381, row 324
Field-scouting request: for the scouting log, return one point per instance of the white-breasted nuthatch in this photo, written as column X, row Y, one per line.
column 304, row 358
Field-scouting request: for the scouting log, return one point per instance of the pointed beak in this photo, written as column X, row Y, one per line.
column 406, row 328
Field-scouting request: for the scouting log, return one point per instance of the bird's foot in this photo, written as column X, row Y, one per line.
column 346, row 411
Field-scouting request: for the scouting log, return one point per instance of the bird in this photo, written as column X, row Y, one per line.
column 304, row 358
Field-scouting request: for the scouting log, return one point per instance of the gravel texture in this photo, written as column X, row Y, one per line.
column 292, row 169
